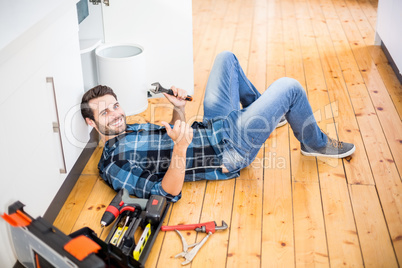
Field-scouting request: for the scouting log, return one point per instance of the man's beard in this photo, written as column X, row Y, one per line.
column 108, row 131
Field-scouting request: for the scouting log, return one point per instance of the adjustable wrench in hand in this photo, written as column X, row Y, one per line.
column 159, row 89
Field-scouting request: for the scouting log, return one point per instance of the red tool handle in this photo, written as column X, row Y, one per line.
column 209, row 227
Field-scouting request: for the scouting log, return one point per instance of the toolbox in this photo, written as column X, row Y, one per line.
column 38, row 243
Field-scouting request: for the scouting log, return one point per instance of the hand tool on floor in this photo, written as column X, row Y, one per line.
column 189, row 256
column 159, row 89
column 205, row 227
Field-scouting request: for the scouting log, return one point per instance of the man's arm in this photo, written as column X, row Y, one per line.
column 182, row 135
column 139, row 182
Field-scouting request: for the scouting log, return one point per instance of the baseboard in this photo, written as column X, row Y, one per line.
column 67, row 186
column 391, row 62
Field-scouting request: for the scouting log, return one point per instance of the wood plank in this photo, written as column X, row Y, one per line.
column 241, row 44
column 275, row 43
column 229, row 26
column 218, row 205
column 385, row 110
column 310, row 244
column 303, row 167
column 225, row 39
column 313, row 44
column 385, row 172
column 367, row 31
column 277, row 231
column 95, row 205
column 375, row 241
column 218, row 201
column 245, row 230
column 201, row 17
column 256, row 70
column 318, row 97
column 91, row 168
column 357, row 166
column 204, row 60
column 369, row 11
column 392, row 83
column 343, row 241
column 245, row 233
column 75, row 202
column 186, row 211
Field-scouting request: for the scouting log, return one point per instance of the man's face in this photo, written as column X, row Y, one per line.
column 110, row 119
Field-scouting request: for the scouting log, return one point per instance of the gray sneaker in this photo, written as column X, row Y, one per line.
column 333, row 149
column 282, row 122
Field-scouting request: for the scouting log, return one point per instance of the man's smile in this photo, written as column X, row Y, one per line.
column 117, row 123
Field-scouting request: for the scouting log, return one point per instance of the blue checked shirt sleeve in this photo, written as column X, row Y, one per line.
column 139, row 182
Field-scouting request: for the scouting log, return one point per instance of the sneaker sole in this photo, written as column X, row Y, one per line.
column 351, row 151
column 280, row 124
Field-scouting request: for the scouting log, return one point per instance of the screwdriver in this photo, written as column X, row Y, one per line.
column 122, row 230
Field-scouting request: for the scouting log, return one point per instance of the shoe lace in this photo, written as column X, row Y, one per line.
column 335, row 143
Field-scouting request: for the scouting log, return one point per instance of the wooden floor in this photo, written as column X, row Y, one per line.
column 288, row 210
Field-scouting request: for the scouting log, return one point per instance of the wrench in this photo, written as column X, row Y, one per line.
column 205, row 227
column 159, row 89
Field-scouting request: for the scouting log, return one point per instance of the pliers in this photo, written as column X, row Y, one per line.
column 189, row 256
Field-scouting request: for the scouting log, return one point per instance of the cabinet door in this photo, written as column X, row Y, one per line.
column 65, row 73
column 32, row 156
column 28, row 151
column 164, row 29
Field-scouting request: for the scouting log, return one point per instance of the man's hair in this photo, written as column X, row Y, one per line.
column 94, row 93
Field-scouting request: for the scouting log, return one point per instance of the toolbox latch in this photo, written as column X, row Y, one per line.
column 81, row 246
column 17, row 219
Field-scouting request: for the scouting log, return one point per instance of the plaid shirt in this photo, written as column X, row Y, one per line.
column 138, row 159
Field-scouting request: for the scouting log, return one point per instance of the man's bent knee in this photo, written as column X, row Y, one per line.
column 287, row 84
column 225, row 56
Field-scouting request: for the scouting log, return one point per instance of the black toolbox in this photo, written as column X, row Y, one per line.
column 38, row 243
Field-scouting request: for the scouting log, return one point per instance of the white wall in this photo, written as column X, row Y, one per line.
column 16, row 17
column 389, row 23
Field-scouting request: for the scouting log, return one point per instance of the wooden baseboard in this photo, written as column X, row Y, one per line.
column 391, row 62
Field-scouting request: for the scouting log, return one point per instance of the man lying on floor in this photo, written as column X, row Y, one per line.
column 150, row 159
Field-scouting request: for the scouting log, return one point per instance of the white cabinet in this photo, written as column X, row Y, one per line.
column 389, row 22
column 43, row 61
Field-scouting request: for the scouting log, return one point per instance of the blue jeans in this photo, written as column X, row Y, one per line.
column 246, row 128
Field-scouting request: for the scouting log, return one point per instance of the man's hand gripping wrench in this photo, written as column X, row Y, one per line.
column 159, row 89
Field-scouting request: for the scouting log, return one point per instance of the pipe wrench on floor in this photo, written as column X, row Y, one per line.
column 207, row 227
